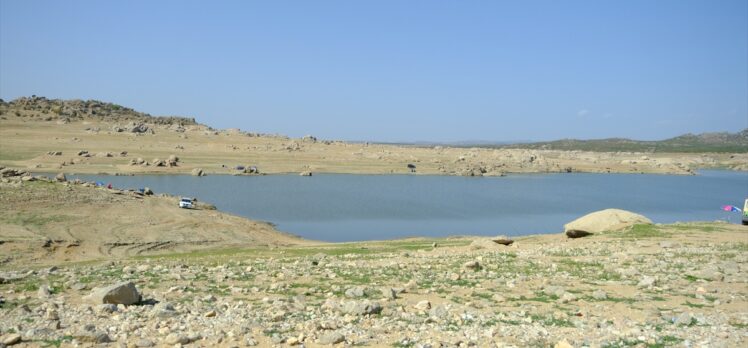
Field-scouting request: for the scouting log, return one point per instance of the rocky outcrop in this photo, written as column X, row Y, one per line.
column 35, row 107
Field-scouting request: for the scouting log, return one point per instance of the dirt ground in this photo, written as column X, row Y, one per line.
column 54, row 146
column 50, row 222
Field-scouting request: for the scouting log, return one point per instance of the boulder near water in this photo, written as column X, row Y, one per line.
column 608, row 220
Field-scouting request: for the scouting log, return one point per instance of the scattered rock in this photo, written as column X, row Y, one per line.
column 472, row 265
column 503, row 240
column 563, row 344
column 423, row 305
column 172, row 161
column 164, row 310
column 121, row 293
column 361, row 308
column 197, row 172
column 331, row 338
column 305, row 173
column 646, row 282
column 174, row 338
column 144, row 343
column 357, row 291
column 43, row 292
column 577, row 233
column 12, row 339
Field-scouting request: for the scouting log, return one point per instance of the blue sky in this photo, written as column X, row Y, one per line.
column 394, row 70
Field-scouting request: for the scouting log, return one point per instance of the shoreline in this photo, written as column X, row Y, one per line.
column 695, row 172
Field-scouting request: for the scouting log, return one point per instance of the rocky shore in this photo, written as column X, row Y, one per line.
column 646, row 286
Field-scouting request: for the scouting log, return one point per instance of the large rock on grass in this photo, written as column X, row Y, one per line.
column 122, row 293
column 608, row 220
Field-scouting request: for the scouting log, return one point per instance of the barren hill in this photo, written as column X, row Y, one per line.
column 50, row 135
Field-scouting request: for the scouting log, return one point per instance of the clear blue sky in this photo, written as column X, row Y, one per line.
column 394, row 70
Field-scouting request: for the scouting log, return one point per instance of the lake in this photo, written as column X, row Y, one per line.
column 342, row 207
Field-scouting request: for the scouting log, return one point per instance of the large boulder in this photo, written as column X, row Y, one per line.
column 608, row 220
column 122, row 293
column 198, row 172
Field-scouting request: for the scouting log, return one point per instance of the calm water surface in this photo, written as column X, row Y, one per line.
column 339, row 207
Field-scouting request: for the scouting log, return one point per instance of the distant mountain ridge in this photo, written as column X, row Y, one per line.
column 724, row 142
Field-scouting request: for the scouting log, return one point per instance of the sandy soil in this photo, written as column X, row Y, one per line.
column 50, row 222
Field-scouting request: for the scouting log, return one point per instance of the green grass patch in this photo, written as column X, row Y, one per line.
column 642, row 231
column 33, row 220
column 333, row 249
column 694, row 305
column 550, row 321
column 696, row 227
column 539, row 297
column 28, row 286
column 404, row 344
column 665, row 342
column 56, row 342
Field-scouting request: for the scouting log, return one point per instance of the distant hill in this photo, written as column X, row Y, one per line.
column 47, row 109
column 705, row 142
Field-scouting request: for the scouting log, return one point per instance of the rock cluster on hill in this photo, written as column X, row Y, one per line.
column 57, row 109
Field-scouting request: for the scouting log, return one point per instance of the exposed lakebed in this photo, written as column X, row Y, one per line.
column 340, row 207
